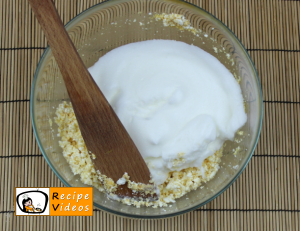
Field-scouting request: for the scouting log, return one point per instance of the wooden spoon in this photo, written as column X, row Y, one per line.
column 101, row 129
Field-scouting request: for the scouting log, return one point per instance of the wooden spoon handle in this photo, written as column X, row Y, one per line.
column 66, row 56
column 106, row 137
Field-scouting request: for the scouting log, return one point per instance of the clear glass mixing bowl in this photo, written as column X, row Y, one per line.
column 111, row 24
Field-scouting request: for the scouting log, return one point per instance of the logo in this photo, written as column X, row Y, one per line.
column 32, row 201
column 54, row 201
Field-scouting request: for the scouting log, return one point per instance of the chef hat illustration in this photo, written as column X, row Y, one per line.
column 25, row 196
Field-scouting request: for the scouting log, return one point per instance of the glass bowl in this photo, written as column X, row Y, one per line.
column 111, row 24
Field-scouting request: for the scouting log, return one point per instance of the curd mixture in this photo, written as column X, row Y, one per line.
column 177, row 102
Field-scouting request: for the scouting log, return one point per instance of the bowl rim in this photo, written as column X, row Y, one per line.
column 47, row 49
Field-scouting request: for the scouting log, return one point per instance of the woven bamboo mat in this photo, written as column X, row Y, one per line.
column 264, row 197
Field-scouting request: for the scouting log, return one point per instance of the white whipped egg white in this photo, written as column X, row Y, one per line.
column 177, row 102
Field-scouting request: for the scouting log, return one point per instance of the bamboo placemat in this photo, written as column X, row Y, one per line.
column 264, row 197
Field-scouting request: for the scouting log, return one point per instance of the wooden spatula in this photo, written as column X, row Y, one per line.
column 102, row 131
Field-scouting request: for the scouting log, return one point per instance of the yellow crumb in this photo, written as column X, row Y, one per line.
column 176, row 20
column 240, row 133
column 237, row 150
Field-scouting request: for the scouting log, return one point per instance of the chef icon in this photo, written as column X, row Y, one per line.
column 28, row 206
column 32, row 202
